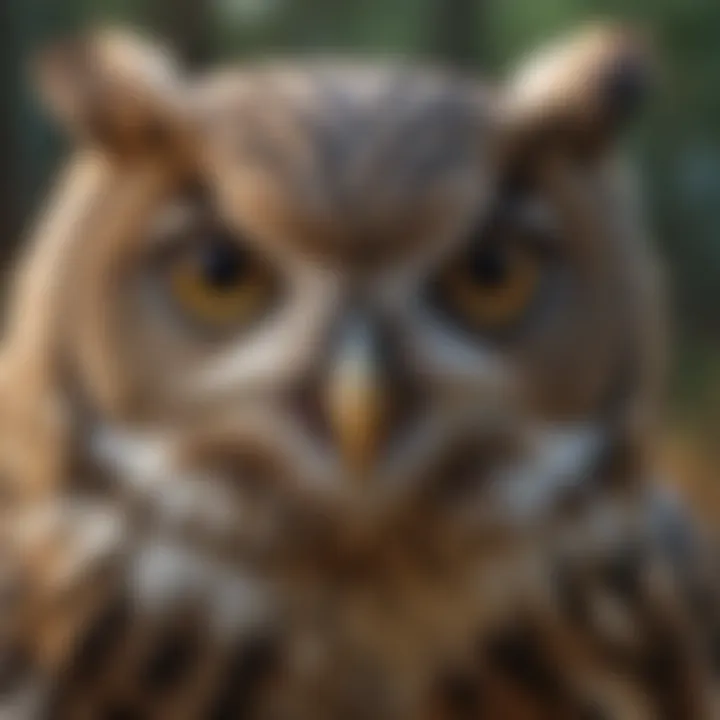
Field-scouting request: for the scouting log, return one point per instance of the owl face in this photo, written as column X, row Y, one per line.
column 349, row 288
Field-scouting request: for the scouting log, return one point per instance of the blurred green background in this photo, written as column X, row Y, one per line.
column 678, row 142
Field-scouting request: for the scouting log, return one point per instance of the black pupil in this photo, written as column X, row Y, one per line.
column 223, row 265
column 489, row 265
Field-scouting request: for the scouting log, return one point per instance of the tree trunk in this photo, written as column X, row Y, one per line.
column 10, row 71
column 455, row 31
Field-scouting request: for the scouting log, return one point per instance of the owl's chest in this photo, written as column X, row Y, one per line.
column 186, row 638
column 408, row 625
column 387, row 645
column 393, row 634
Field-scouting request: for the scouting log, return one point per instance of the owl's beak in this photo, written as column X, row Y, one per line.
column 356, row 396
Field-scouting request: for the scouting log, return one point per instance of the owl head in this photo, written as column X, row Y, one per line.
column 343, row 289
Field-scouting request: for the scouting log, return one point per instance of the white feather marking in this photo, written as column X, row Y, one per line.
column 559, row 459
column 139, row 460
column 168, row 573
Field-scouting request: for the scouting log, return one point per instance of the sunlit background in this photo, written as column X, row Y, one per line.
column 678, row 142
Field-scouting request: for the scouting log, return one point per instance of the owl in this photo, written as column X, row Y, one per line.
column 329, row 390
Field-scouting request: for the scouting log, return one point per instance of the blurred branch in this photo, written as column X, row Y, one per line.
column 188, row 25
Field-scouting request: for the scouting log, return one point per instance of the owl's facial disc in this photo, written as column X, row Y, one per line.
column 366, row 301
column 361, row 389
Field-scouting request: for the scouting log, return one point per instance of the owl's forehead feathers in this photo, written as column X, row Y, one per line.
column 345, row 153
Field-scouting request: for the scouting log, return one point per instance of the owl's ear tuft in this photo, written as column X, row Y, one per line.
column 111, row 87
column 581, row 92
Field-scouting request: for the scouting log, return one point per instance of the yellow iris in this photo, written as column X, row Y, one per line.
column 219, row 286
column 492, row 289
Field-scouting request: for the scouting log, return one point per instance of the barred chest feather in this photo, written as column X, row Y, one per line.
column 603, row 617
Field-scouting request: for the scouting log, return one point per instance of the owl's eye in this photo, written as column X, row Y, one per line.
column 492, row 286
column 219, row 283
